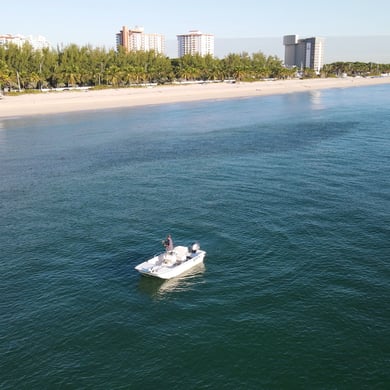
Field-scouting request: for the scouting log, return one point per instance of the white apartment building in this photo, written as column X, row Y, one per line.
column 37, row 43
column 195, row 42
column 303, row 53
column 136, row 40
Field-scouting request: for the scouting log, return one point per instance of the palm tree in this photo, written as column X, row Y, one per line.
column 4, row 75
column 113, row 75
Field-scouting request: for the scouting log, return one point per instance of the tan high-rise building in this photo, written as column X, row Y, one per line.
column 136, row 40
column 304, row 53
column 195, row 43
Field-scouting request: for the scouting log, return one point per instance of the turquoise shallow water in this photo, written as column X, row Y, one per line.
column 290, row 197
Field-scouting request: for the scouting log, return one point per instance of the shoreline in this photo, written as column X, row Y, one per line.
column 75, row 101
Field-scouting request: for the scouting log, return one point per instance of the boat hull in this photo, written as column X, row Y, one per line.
column 171, row 264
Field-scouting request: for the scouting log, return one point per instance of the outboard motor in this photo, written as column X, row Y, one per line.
column 194, row 247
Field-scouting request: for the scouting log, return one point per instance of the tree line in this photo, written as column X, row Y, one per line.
column 26, row 68
column 353, row 69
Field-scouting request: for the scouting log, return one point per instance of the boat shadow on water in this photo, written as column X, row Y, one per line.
column 161, row 289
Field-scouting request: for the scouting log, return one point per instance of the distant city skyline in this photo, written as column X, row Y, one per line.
column 236, row 26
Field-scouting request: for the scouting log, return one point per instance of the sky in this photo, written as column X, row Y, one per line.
column 96, row 22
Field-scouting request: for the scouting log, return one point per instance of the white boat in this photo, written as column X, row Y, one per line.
column 172, row 263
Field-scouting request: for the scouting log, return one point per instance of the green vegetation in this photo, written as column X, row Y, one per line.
column 353, row 69
column 26, row 69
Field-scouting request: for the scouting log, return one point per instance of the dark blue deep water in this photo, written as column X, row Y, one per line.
column 290, row 197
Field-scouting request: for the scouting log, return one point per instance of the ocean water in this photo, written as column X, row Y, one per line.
column 290, row 197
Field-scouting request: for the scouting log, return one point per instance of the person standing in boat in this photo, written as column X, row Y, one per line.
column 168, row 243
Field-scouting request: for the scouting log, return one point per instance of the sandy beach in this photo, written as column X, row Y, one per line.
column 72, row 101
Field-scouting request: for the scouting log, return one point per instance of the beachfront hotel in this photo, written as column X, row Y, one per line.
column 303, row 53
column 136, row 40
column 37, row 43
column 195, row 42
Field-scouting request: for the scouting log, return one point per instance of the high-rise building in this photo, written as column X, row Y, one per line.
column 37, row 43
column 195, row 43
column 136, row 39
column 303, row 53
